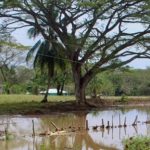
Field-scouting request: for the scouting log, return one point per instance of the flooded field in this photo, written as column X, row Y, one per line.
column 20, row 129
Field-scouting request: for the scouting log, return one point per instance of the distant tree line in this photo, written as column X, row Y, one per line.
column 93, row 36
column 131, row 82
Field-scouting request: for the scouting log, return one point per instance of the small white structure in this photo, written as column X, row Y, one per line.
column 53, row 92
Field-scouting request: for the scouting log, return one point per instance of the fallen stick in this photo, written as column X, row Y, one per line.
column 108, row 126
column 86, row 125
column 57, row 129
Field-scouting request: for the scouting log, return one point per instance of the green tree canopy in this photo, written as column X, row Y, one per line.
column 47, row 56
column 98, row 31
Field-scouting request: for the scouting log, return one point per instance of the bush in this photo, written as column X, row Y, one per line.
column 124, row 98
column 137, row 143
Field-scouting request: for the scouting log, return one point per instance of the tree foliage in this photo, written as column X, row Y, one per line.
column 47, row 57
column 11, row 55
column 98, row 31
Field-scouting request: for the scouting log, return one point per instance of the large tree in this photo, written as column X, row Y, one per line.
column 46, row 58
column 47, row 54
column 106, row 33
column 11, row 54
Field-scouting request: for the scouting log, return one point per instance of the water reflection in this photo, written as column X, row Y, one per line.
column 108, row 139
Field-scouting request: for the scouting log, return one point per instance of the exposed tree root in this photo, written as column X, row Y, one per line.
column 96, row 102
column 91, row 104
column 44, row 101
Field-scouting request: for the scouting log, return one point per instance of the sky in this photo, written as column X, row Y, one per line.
column 21, row 37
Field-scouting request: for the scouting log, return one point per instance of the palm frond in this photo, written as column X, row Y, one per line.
column 40, row 57
column 32, row 50
column 33, row 32
column 49, row 56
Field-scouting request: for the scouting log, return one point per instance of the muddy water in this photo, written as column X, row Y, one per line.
column 21, row 138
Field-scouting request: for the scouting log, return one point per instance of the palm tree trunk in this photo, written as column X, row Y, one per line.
column 58, row 88
column 45, row 100
column 45, row 97
column 62, row 85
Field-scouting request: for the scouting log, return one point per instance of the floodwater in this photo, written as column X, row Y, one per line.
column 21, row 129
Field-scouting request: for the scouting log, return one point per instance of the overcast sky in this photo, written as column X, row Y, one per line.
column 21, row 37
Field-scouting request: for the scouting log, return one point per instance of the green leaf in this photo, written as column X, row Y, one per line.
column 32, row 50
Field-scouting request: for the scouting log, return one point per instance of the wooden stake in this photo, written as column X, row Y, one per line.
column 33, row 128
column 125, row 125
column 119, row 122
column 119, row 133
column 108, row 126
column 86, row 125
column 125, row 131
column 112, row 123
column 95, row 127
column 112, row 133
column 103, row 133
column 102, row 126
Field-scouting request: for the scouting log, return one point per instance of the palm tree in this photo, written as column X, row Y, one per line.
column 48, row 56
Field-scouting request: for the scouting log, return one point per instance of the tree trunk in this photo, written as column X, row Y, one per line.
column 62, row 85
column 61, row 89
column 79, row 85
column 45, row 100
column 58, row 89
column 45, row 97
column 94, row 93
column 80, row 94
column 8, row 91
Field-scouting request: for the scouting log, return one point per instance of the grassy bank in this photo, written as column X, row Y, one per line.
column 30, row 104
column 129, row 98
column 32, row 98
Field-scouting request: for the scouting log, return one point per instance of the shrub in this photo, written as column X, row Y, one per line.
column 137, row 143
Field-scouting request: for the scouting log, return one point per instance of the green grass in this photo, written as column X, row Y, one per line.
column 31, row 104
column 18, row 98
column 130, row 97
column 32, row 98
column 137, row 143
column 28, row 104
